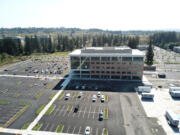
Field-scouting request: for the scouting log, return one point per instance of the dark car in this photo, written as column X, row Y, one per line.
column 76, row 108
column 101, row 115
column 162, row 75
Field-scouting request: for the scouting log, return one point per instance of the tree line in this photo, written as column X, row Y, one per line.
column 48, row 44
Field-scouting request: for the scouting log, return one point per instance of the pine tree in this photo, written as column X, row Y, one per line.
column 149, row 54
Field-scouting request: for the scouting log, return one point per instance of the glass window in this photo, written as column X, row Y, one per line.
column 138, row 59
column 105, row 58
column 114, row 58
column 126, row 58
column 95, row 58
column 75, row 62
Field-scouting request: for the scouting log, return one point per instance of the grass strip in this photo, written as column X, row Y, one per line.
column 17, row 115
column 61, row 95
column 52, row 95
column 4, row 102
column 26, row 125
column 51, row 109
column 69, row 108
column 4, row 91
column 49, row 86
column 59, row 128
column 19, row 82
column 106, row 113
column 37, row 127
column 105, row 131
column 106, row 98
column 38, row 95
column 76, row 95
column 30, row 85
column 16, row 95
column 40, row 109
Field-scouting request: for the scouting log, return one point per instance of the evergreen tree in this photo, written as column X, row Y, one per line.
column 149, row 54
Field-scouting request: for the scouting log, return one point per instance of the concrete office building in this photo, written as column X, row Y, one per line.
column 120, row 63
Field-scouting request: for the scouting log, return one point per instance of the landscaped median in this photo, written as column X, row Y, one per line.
column 52, row 95
column 61, row 95
column 39, row 95
column 37, row 127
column 4, row 102
column 69, row 108
column 106, row 98
column 105, row 131
column 59, row 128
column 106, row 113
column 26, row 125
column 49, row 111
column 26, row 105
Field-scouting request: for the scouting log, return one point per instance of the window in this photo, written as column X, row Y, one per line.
column 114, row 59
column 126, row 58
column 105, row 58
column 95, row 58
column 138, row 59
column 97, row 67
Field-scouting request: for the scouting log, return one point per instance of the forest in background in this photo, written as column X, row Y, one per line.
column 50, row 40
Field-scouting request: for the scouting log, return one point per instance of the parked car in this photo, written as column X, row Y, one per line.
column 67, row 96
column 94, row 98
column 162, row 75
column 102, row 98
column 80, row 94
column 101, row 115
column 99, row 94
column 76, row 108
column 87, row 130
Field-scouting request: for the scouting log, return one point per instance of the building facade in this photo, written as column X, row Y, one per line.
column 120, row 63
column 176, row 49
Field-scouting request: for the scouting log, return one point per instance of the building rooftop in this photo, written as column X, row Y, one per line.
column 107, row 51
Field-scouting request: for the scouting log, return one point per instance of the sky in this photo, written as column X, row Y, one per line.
column 85, row 14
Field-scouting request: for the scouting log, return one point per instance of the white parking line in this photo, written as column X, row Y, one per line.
column 70, row 113
column 68, row 129
column 94, row 112
column 73, row 130
column 89, row 112
column 84, row 112
column 51, row 128
column 97, row 131
column 79, row 130
column 61, row 110
column 56, row 110
column 46, row 127
column 80, row 112
column 65, row 111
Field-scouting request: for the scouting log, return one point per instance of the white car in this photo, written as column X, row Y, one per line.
column 87, row 131
column 80, row 94
column 94, row 98
column 102, row 98
column 67, row 96
column 99, row 94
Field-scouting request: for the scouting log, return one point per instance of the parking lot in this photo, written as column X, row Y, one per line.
column 17, row 91
column 7, row 111
column 125, row 113
column 40, row 66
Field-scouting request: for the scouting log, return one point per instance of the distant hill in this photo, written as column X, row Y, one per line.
column 33, row 30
